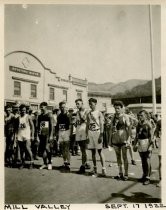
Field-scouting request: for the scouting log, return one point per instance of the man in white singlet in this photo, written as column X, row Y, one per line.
column 95, row 123
column 25, row 133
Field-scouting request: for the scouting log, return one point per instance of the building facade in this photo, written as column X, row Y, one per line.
column 27, row 80
column 104, row 102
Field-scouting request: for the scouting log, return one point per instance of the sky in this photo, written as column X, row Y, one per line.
column 103, row 43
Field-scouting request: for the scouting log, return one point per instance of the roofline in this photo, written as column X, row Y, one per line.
column 41, row 63
column 28, row 53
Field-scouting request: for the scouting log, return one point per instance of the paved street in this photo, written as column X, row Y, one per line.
column 36, row 186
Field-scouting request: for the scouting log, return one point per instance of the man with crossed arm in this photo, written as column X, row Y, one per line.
column 95, row 123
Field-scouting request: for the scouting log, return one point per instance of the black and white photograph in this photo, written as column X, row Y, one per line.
column 82, row 104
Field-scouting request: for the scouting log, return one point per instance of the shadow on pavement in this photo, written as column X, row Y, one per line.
column 137, row 197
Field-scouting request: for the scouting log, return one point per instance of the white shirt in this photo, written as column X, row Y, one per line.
column 24, row 131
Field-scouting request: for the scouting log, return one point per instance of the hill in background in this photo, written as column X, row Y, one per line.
column 130, row 88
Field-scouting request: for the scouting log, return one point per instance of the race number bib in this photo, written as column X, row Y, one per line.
column 92, row 126
column 22, row 125
column 44, row 124
column 62, row 127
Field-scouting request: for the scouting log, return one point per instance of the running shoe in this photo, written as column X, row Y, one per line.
column 146, row 182
column 67, row 163
column 87, row 166
column 94, row 172
column 125, row 178
column 119, row 177
column 43, row 166
column 49, row 166
column 94, row 175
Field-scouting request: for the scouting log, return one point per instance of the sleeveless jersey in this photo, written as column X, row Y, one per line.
column 119, row 132
column 94, row 123
column 143, row 131
column 24, row 132
column 9, row 125
column 80, row 123
column 44, row 124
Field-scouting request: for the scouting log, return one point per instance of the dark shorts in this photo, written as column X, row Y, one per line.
column 82, row 144
column 119, row 145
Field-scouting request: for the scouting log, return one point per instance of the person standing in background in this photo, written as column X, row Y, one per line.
column 157, row 135
column 133, row 124
column 35, row 143
column 45, row 133
column 9, row 136
column 63, row 128
column 73, row 143
column 144, row 143
column 81, row 136
column 16, row 113
column 55, row 142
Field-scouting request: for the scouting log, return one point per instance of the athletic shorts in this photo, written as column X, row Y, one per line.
column 119, row 147
column 80, row 135
column 93, row 140
column 64, row 136
column 82, row 144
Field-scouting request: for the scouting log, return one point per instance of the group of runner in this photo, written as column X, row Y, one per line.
column 28, row 136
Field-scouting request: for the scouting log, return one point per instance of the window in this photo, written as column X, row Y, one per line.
column 52, row 94
column 79, row 95
column 65, row 94
column 17, row 88
column 33, row 91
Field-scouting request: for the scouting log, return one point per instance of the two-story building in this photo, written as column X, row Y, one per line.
column 27, row 80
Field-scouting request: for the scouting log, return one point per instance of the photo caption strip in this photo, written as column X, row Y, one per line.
column 92, row 206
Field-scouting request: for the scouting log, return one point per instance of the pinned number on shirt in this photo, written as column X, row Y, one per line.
column 92, row 126
column 62, row 127
column 44, row 124
column 22, row 125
